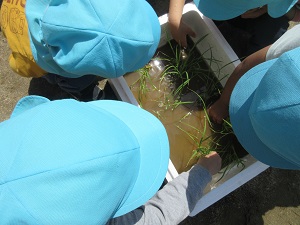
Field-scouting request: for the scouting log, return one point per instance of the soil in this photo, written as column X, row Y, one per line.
column 271, row 198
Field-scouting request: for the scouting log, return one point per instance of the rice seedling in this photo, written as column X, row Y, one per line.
column 219, row 140
column 183, row 78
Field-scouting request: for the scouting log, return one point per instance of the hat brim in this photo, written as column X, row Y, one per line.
column 220, row 9
column 279, row 8
column 240, row 102
column 156, row 32
column 154, row 154
column 224, row 10
column 28, row 102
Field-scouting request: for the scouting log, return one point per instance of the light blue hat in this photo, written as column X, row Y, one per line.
column 105, row 38
column 228, row 9
column 70, row 162
column 265, row 111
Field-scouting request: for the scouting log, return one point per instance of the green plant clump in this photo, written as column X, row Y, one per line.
column 196, row 86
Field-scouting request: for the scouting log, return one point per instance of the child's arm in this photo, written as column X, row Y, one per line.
column 219, row 110
column 254, row 13
column 175, row 201
column 294, row 13
column 178, row 28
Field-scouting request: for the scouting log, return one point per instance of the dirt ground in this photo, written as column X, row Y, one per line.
column 272, row 198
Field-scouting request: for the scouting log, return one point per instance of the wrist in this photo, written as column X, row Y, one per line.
column 296, row 17
column 291, row 14
column 174, row 20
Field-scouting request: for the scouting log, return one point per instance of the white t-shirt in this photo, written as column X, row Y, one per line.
column 288, row 41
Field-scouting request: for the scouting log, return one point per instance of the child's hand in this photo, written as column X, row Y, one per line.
column 180, row 31
column 218, row 111
column 178, row 28
column 212, row 162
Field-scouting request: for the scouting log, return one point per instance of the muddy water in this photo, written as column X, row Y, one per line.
column 184, row 125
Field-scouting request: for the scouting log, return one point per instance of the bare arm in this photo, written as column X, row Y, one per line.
column 178, row 28
column 294, row 13
column 219, row 110
column 254, row 13
column 248, row 63
column 175, row 11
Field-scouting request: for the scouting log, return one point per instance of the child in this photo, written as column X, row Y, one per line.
column 255, row 29
column 290, row 40
column 74, row 47
column 70, row 162
column 265, row 111
column 225, row 10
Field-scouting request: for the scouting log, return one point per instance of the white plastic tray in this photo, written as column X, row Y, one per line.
column 203, row 25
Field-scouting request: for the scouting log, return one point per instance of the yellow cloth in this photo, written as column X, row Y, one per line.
column 15, row 29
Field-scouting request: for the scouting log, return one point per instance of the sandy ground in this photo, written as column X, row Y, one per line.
column 271, row 198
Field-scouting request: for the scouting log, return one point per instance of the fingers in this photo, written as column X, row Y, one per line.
column 186, row 31
column 179, row 33
column 212, row 162
column 182, row 42
column 191, row 33
column 218, row 111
